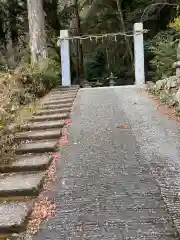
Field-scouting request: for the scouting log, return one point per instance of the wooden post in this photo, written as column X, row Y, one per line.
column 65, row 58
column 139, row 54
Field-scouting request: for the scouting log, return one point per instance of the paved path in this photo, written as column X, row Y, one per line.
column 105, row 187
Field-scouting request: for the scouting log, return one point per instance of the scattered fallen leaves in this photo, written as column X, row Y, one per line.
column 56, row 156
column 50, row 177
column 64, row 139
column 170, row 112
column 68, row 122
column 123, row 126
column 44, row 209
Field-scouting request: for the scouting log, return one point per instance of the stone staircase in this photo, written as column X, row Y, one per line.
column 22, row 180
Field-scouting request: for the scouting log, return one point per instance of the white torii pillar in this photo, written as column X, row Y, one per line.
column 65, row 58
column 139, row 54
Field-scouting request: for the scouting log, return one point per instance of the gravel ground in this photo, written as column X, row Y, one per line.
column 106, row 189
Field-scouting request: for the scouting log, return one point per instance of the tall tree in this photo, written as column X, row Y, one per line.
column 103, row 16
column 78, row 30
column 75, row 28
column 37, row 33
column 51, row 10
column 121, row 18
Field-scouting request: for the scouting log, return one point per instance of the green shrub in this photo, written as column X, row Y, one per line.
column 38, row 82
column 94, row 66
column 163, row 50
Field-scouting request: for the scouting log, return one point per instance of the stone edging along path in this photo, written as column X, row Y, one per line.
column 24, row 182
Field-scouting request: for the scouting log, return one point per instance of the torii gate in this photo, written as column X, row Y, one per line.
column 138, row 56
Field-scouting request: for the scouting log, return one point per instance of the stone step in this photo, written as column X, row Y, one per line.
column 73, row 86
column 63, row 96
column 61, row 92
column 40, row 146
column 66, row 89
column 51, row 117
column 44, row 125
column 28, row 162
column 14, row 217
column 53, row 106
column 53, row 111
column 56, row 102
column 21, row 184
column 39, row 134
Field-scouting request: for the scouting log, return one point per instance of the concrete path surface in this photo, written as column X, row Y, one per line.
column 120, row 171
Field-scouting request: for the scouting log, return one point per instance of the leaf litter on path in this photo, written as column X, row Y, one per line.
column 123, row 126
column 44, row 207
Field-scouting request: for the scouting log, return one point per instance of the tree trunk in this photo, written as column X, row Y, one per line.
column 37, row 34
column 2, row 33
column 13, row 22
column 74, row 47
column 130, row 53
column 79, row 50
column 51, row 9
